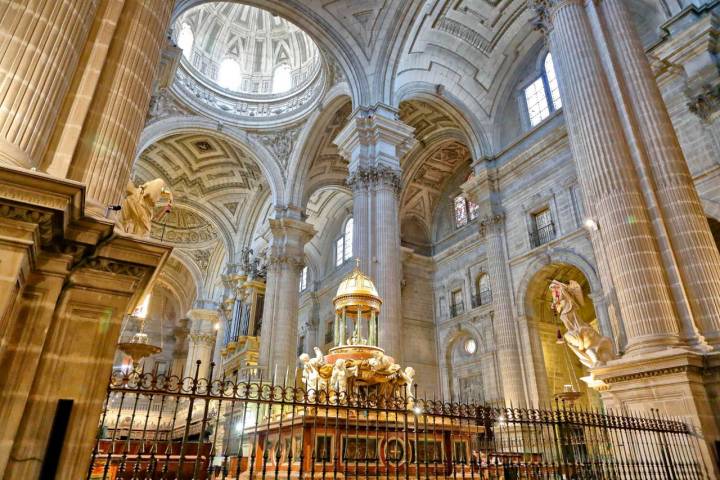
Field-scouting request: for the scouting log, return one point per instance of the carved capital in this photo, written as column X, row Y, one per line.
column 541, row 20
column 374, row 177
column 491, row 223
column 706, row 103
column 278, row 262
column 202, row 338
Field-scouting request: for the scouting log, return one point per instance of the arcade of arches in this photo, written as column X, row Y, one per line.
column 467, row 153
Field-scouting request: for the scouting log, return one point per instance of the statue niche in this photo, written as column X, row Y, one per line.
column 136, row 210
column 591, row 348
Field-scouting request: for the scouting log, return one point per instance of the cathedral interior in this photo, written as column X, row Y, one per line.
column 518, row 201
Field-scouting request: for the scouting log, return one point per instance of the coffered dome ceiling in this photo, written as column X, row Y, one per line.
column 247, row 50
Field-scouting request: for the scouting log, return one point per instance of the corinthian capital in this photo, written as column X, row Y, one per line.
column 374, row 177
column 491, row 223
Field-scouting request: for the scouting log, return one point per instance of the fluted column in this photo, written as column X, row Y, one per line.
column 480, row 189
column 373, row 142
column 610, row 181
column 40, row 44
column 201, row 341
column 279, row 333
column 692, row 243
column 111, row 130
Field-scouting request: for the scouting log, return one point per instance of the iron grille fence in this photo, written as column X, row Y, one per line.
column 158, row 427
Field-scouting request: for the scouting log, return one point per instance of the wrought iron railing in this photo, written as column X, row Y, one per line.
column 456, row 309
column 484, row 297
column 542, row 235
column 261, row 429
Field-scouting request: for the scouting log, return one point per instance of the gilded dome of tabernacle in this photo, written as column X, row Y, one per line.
column 357, row 289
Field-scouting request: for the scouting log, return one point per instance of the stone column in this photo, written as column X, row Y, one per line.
column 507, row 347
column 180, row 352
column 694, row 249
column 279, row 333
column 39, row 50
column 373, row 142
column 201, row 341
column 610, row 182
column 110, row 133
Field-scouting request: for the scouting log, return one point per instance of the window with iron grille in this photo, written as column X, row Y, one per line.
column 543, row 228
column 456, row 307
column 484, row 292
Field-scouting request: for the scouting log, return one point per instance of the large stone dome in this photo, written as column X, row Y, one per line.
column 243, row 49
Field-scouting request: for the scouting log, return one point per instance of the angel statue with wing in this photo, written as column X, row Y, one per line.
column 136, row 212
column 591, row 348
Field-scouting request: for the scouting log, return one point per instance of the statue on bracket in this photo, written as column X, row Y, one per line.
column 591, row 348
column 136, row 212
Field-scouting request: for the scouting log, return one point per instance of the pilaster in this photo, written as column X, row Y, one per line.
column 481, row 190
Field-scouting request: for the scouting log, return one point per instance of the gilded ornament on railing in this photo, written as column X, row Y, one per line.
column 591, row 348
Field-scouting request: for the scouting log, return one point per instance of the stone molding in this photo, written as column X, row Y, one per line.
column 653, row 373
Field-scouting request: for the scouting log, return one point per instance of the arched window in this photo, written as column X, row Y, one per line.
column 542, row 96
column 343, row 245
column 282, row 79
column 186, row 39
column 484, row 293
column 229, row 74
column 303, row 279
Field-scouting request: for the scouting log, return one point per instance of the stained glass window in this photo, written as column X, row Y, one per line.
column 473, row 210
column 461, row 214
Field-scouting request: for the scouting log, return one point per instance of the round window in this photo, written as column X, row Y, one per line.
column 470, row 346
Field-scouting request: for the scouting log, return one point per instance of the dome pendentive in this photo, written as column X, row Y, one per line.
column 245, row 50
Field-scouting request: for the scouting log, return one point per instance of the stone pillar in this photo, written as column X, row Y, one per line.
column 610, row 182
column 279, row 333
column 201, row 340
column 373, row 142
column 106, row 149
column 39, row 50
column 507, row 346
column 180, row 352
column 694, row 249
